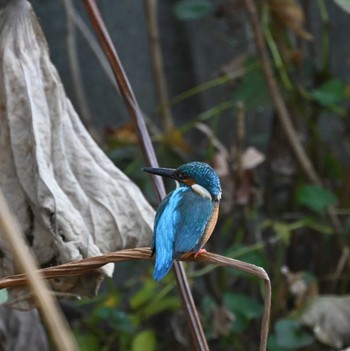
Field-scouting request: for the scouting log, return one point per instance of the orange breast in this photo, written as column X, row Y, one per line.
column 211, row 225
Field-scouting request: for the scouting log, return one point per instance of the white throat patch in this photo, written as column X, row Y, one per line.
column 201, row 191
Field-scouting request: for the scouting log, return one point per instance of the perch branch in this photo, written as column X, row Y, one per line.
column 144, row 253
column 150, row 159
column 54, row 319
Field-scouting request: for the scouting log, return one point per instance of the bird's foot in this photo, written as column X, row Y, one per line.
column 199, row 252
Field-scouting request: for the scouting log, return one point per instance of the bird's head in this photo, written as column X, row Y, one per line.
column 197, row 175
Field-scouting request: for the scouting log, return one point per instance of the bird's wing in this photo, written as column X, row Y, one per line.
column 159, row 213
column 164, row 234
column 191, row 216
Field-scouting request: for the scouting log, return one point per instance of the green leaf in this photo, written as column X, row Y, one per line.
column 87, row 342
column 344, row 4
column 145, row 341
column 290, row 334
column 3, row 296
column 244, row 308
column 171, row 303
column 283, row 230
column 272, row 345
column 316, row 198
column 252, row 90
column 144, row 295
column 187, row 10
column 330, row 93
column 317, row 226
column 115, row 319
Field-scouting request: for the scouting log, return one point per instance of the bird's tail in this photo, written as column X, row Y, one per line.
column 162, row 266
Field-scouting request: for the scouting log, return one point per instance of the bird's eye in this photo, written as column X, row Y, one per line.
column 181, row 175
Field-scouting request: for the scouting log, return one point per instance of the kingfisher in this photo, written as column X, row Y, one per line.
column 186, row 217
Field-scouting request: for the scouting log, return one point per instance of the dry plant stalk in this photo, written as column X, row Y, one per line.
column 282, row 111
column 48, row 306
column 151, row 7
column 144, row 253
column 73, row 59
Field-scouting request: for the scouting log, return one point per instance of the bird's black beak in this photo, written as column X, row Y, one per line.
column 164, row 172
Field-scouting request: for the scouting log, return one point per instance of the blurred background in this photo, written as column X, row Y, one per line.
column 206, row 98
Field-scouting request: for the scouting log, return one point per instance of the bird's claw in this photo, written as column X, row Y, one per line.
column 199, row 252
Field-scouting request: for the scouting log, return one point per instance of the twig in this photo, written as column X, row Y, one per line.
column 240, row 126
column 96, row 49
column 74, row 64
column 150, row 158
column 340, row 266
column 277, row 99
column 158, row 67
column 144, row 253
column 101, row 58
column 281, row 109
column 53, row 317
column 126, row 90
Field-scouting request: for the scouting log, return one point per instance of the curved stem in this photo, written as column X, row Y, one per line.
column 144, row 253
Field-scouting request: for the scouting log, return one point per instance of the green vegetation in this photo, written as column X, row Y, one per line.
column 276, row 213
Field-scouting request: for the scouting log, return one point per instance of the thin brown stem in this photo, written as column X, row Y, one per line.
column 157, row 66
column 150, row 158
column 240, row 126
column 281, row 108
column 74, row 64
column 125, row 90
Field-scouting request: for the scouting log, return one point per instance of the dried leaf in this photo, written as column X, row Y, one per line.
column 344, row 4
column 69, row 198
column 252, row 158
column 121, row 135
column 21, row 330
column 175, row 140
column 234, row 68
column 222, row 321
column 302, row 285
column 329, row 318
column 290, row 14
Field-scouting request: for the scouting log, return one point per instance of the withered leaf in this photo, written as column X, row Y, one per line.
column 329, row 318
column 70, row 200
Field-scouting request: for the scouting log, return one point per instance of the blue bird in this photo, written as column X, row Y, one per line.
column 186, row 217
